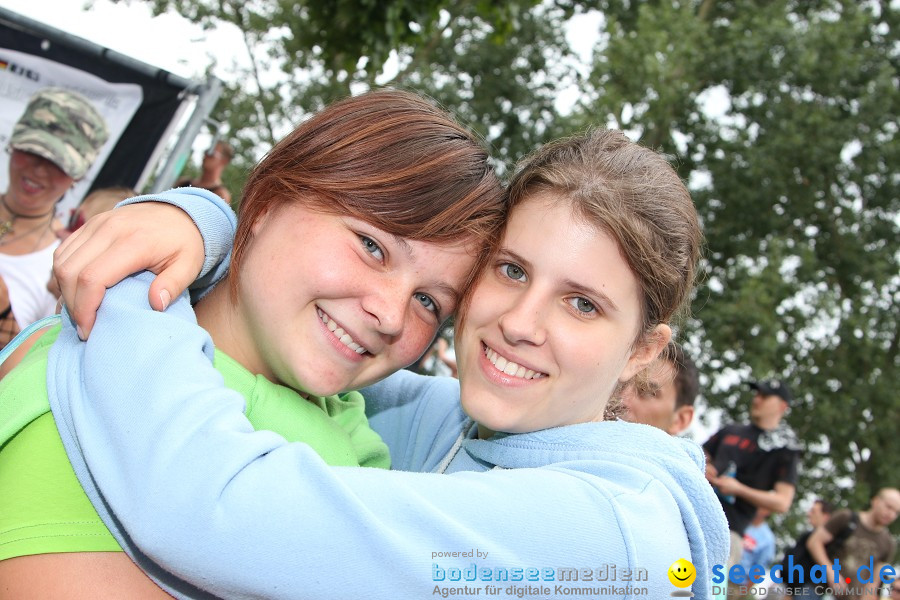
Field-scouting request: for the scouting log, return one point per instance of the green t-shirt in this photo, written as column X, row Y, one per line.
column 42, row 506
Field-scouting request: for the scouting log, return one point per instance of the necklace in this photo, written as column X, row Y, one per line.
column 4, row 240
column 7, row 225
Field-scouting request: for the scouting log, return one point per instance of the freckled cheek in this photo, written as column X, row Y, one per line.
column 341, row 272
column 415, row 341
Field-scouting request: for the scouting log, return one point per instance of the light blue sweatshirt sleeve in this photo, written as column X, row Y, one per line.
column 418, row 416
column 167, row 456
column 216, row 221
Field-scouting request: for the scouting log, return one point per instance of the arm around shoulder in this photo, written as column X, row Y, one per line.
column 260, row 493
column 214, row 219
column 418, row 417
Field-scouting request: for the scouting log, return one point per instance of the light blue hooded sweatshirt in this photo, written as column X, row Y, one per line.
column 210, row 507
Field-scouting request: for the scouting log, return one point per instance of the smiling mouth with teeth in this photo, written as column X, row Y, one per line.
column 340, row 333
column 509, row 367
column 32, row 185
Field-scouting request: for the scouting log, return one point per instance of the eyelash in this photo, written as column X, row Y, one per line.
column 368, row 243
column 435, row 307
column 578, row 299
column 506, row 267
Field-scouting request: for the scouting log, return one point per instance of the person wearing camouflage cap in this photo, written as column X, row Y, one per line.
column 53, row 144
column 63, row 127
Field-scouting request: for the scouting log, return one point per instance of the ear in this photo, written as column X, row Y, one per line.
column 681, row 419
column 646, row 351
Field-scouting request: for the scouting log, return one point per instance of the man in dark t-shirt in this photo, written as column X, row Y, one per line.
column 754, row 466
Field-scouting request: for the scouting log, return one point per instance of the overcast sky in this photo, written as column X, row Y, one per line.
column 167, row 41
column 181, row 47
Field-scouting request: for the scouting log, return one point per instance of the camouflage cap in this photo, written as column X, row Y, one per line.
column 63, row 127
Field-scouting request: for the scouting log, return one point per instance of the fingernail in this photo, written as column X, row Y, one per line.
column 79, row 332
column 165, row 297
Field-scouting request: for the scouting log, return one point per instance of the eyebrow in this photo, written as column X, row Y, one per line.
column 569, row 283
column 404, row 245
column 450, row 291
column 512, row 255
column 589, row 291
column 443, row 286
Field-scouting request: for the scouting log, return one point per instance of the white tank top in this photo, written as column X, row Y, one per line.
column 26, row 277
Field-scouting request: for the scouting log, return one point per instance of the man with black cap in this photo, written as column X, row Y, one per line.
column 754, row 466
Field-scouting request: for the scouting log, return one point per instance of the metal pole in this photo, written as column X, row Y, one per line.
column 208, row 95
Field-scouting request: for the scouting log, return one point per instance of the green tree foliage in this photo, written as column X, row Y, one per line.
column 781, row 114
column 794, row 173
column 498, row 66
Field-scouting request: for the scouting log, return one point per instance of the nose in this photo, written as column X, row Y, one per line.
column 44, row 167
column 39, row 163
column 387, row 303
column 524, row 320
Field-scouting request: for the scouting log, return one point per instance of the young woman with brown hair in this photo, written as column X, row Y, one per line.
column 358, row 234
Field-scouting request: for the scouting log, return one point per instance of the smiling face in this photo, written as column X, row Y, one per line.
column 328, row 303
column 552, row 325
column 35, row 184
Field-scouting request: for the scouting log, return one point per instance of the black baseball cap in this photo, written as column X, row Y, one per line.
column 772, row 387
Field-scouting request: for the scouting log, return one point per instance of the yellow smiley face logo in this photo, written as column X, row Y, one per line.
column 682, row 573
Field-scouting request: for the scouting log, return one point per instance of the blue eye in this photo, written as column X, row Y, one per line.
column 514, row 271
column 428, row 302
column 582, row 305
column 372, row 247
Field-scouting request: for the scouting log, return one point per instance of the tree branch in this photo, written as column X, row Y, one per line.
column 704, row 13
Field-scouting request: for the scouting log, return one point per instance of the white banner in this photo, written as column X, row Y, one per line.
column 22, row 74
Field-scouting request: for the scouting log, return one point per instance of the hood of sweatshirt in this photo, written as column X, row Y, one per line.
column 676, row 462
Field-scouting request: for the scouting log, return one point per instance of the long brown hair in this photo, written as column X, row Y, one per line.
column 387, row 157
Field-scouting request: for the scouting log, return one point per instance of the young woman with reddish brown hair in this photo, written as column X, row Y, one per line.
column 357, row 235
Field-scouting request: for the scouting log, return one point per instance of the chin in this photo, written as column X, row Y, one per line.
column 314, row 388
column 328, row 390
column 497, row 423
column 484, row 416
